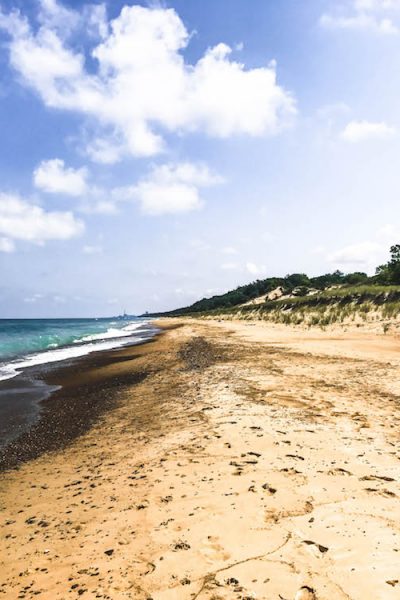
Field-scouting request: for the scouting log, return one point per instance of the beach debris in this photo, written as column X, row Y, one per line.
column 151, row 567
column 43, row 523
column 181, row 546
column 305, row 593
column 384, row 492
column 268, row 488
column 376, row 477
column 297, row 456
column 198, row 354
column 166, row 499
column 320, row 547
column 393, row 582
column 109, row 552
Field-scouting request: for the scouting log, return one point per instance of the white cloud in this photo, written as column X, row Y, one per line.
column 360, row 131
column 378, row 16
column 141, row 87
column 6, row 245
column 361, row 22
column 364, row 254
column 377, row 4
column 33, row 299
column 20, row 220
column 170, row 188
column 230, row 266
column 53, row 15
column 54, row 177
column 99, row 201
column 255, row 269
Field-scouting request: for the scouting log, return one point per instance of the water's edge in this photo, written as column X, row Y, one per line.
column 22, row 397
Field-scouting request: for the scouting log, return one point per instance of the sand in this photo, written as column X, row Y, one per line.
column 252, row 461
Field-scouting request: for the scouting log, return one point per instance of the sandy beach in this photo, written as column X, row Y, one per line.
column 228, row 460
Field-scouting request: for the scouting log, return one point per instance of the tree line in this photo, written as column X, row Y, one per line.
column 298, row 284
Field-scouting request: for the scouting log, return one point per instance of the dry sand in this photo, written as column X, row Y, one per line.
column 251, row 461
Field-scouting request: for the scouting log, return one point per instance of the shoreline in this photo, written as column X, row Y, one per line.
column 248, row 463
column 54, row 414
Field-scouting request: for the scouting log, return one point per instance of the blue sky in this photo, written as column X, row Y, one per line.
column 155, row 153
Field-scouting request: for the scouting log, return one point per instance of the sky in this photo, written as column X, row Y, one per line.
column 153, row 153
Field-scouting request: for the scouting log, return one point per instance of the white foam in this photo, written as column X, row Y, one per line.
column 111, row 333
column 110, row 339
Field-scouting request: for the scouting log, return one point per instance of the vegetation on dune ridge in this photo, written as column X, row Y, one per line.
column 311, row 301
column 356, row 307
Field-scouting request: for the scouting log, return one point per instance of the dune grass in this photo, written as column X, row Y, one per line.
column 340, row 305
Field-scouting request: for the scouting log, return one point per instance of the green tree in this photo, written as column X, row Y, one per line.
column 390, row 272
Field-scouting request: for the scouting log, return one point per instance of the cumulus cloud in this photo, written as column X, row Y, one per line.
column 170, row 188
column 139, row 86
column 21, row 220
column 378, row 16
column 360, row 131
column 55, row 16
column 54, row 177
column 167, row 188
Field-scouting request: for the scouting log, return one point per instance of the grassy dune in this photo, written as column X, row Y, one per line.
column 355, row 305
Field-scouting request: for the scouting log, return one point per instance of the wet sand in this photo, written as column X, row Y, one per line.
column 246, row 462
column 52, row 404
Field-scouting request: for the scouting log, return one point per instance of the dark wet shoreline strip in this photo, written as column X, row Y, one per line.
column 86, row 391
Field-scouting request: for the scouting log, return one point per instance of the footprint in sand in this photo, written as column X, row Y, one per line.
column 305, row 593
column 339, row 471
column 320, row 547
column 213, row 550
column 376, row 478
column 384, row 492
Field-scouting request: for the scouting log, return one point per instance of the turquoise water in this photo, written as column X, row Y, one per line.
column 28, row 342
